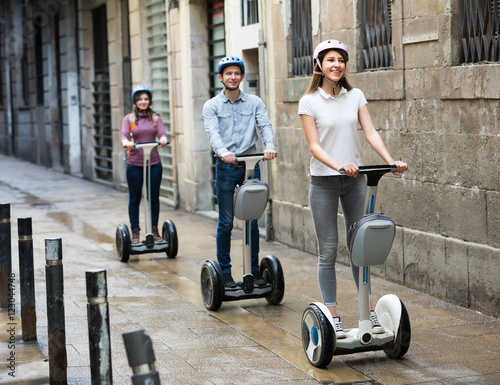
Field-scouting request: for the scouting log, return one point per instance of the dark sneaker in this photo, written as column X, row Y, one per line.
column 376, row 327
column 135, row 236
column 156, row 235
column 258, row 280
column 228, row 280
column 339, row 331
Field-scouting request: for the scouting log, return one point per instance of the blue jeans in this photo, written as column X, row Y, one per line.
column 324, row 195
column 135, row 180
column 227, row 177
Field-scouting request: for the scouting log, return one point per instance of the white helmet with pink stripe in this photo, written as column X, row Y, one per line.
column 326, row 46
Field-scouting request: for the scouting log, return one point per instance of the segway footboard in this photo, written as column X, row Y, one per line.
column 141, row 248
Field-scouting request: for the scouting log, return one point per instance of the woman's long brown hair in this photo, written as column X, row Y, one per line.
column 317, row 80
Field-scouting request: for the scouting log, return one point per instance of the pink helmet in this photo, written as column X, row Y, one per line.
column 328, row 45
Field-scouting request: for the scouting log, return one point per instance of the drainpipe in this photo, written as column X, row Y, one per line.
column 268, row 215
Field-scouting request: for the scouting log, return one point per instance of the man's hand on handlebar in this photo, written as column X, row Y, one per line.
column 269, row 154
column 229, row 157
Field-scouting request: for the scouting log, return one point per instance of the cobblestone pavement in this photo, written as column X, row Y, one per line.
column 244, row 342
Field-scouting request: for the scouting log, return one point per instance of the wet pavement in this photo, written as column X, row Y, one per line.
column 244, row 342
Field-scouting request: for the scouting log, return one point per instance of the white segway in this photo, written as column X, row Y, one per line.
column 169, row 244
column 250, row 201
column 370, row 241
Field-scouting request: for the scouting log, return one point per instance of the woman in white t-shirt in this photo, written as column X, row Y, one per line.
column 330, row 111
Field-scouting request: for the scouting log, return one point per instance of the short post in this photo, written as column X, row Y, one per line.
column 58, row 360
column 27, row 279
column 141, row 358
column 98, row 322
column 5, row 254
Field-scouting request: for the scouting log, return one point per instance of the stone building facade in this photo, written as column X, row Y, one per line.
column 67, row 68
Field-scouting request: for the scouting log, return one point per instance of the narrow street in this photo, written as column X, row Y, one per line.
column 245, row 342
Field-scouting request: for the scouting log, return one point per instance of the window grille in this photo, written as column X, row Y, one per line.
column 249, row 12
column 302, row 44
column 103, row 146
column 376, row 25
column 479, row 30
column 216, row 42
column 158, row 62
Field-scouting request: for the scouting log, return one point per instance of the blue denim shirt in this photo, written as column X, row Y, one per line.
column 231, row 126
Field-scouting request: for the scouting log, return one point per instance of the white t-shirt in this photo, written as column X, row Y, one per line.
column 337, row 123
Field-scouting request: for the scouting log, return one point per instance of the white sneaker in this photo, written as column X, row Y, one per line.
column 339, row 331
column 376, row 327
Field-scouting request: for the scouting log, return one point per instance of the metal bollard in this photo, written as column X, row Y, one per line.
column 141, row 358
column 27, row 279
column 58, row 360
column 98, row 322
column 5, row 254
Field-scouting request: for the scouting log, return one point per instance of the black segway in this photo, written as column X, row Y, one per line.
column 169, row 244
column 250, row 201
column 370, row 241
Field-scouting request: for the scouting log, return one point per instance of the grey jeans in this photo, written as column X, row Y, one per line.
column 324, row 194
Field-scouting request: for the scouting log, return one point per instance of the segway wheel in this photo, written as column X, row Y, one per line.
column 403, row 336
column 169, row 234
column 212, row 286
column 123, row 243
column 318, row 337
column 271, row 271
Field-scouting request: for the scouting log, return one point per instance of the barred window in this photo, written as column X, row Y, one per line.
column 376, row 26
column 302, row 44
column 216, row 42
column 249, row 12
column 479, row 30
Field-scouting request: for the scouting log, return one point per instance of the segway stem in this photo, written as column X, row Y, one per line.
column 146, row 189
column 250, row 163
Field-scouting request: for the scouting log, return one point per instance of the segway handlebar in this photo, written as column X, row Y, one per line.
column 144, row 144
column 374, row 172
column 241, row 158
column 260, row 155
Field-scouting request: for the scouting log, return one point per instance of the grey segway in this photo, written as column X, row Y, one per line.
column 369, row 241
column 169, row 244
column 250, row 201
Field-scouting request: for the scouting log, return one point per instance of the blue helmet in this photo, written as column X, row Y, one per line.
column 231, row 61
column 140, row 88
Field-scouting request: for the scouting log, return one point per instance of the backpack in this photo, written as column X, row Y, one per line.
column 131, row 118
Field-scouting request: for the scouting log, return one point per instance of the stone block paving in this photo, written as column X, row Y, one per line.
column 245, row 342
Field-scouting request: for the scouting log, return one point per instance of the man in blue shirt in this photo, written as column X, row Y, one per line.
column 230, row 119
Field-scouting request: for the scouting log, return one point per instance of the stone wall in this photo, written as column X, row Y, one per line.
column 437, row 115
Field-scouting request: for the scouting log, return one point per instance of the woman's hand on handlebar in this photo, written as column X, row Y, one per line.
column 350, row 169
column 402, row 167
column 129, row 144
column 269, row 154
column 163, row 141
